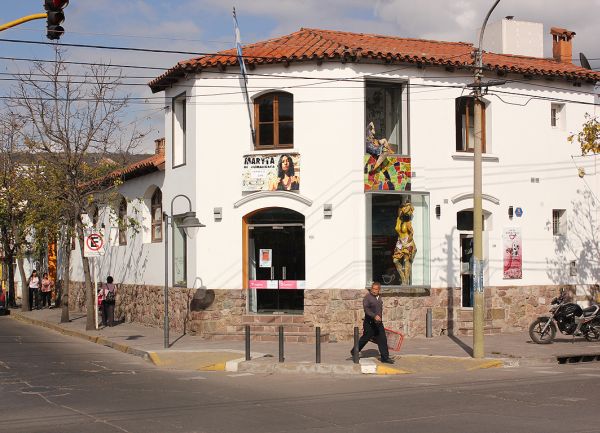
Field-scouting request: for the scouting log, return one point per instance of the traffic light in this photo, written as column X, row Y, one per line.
column 54, row 9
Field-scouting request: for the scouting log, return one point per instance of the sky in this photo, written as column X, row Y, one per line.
column 206, row 26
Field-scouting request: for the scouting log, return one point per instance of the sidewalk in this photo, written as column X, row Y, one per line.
column 418, row 355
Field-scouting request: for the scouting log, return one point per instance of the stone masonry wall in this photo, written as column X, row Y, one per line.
column 201, row 311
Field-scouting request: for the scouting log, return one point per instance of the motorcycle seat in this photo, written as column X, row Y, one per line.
column 590, row 311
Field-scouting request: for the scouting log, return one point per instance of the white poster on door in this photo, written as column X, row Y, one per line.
column 266, row 258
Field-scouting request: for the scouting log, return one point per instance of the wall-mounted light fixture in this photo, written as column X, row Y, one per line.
column 218, row 213
column 511, row 212
column 438, row 211
column 327, row 210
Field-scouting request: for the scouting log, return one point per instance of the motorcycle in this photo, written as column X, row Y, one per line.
column 569, row 318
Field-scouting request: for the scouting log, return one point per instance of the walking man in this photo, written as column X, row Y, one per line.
column 373, row 323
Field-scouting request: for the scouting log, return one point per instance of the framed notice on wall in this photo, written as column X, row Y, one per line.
column 266, row 258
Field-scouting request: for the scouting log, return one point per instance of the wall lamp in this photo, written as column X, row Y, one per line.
column 511, row 212
column 438, row 211
column 188, row 221
column 327, row 210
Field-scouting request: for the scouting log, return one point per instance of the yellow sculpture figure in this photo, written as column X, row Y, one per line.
column 406, row 249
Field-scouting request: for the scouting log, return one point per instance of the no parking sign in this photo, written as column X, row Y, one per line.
column 94, row 245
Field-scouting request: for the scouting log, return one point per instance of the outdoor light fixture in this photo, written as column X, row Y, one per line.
column 188, row 221
column 438, row 211
column 327, row 210
column 218, row 213
column 510, row 212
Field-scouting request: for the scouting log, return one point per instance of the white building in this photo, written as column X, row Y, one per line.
column 303, row 256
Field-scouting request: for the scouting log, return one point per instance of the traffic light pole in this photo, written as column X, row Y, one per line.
column 22, row 20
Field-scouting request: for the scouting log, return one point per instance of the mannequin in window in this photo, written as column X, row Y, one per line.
column 286, row 179
column 406, row 249
column 379, row 149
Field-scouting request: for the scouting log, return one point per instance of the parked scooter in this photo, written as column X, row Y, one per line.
column 570, row 319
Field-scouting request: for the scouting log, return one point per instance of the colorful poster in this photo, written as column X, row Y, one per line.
column 272, row 172
column 266, row 258
column 513, row 253
column 392, row 175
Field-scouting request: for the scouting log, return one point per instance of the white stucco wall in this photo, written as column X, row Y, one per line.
column 328, row 134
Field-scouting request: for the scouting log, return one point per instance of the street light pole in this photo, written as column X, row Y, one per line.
column 189, row 221
column 478, row 292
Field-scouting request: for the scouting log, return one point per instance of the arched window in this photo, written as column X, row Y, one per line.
column 274, row 120
column 156, row 215
column 123, row 221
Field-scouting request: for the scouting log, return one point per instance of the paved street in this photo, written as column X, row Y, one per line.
column 53, row 383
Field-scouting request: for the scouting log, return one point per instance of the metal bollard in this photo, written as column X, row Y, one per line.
column 428, row 324
column 247, row 342
column 355, row 353
column 318, row 344
column 281, row 357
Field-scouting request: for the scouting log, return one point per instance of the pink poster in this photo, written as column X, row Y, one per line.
column 513, row 253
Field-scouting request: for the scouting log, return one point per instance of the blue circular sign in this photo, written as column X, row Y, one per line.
column 519, row 212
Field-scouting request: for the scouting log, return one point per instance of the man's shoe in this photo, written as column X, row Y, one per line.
column 387, row 361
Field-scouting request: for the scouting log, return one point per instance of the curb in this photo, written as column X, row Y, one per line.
column 82, row 335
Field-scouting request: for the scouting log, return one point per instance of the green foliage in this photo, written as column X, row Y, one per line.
column 588, row 138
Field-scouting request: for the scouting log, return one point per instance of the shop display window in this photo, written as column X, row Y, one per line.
column 398, row 239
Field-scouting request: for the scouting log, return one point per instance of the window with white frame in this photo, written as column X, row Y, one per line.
column 179, row 130
column 559, row 222
column 386, row 112
column 465, row 124
column 557, row 116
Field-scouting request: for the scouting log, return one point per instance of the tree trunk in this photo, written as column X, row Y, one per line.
column 10, row 275
column 66, row 280
column 90, row 323
column 24, row 285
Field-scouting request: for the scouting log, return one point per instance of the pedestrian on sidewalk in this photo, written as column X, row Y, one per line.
column 373, row 323
column 33, row 283
column 46, row 290
column 109, row 294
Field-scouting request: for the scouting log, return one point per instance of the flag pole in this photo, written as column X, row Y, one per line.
column 240, row 58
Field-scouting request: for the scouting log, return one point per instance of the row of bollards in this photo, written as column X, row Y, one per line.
column 281, row 344
column 355, row 351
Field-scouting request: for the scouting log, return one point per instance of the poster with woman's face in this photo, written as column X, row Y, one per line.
column 272, row 172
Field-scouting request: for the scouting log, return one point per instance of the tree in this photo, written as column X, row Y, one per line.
column 14, row 194
column 589, row 136
column 76, row 127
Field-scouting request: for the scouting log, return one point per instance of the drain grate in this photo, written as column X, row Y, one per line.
column 574, row 359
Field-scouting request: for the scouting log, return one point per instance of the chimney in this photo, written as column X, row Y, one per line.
column 159, row 148
column 562, row 47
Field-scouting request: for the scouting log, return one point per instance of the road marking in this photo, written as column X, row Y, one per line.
column 547, row 372
column 4, row 365
column 193, row 378
column 589, row 374
column 240, row 375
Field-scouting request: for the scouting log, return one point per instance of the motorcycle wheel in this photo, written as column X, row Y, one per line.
column 593, row 333
column 535, row 331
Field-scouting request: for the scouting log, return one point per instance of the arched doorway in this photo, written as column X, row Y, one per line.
column 275, row 261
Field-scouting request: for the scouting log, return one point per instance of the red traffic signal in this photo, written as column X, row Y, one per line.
column 55, row 18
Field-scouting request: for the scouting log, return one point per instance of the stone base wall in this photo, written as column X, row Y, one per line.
column 204, row 312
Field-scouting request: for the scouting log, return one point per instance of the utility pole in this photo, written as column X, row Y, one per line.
column 478, row 292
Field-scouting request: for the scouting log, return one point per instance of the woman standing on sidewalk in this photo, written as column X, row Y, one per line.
column 109, row 294
column 33, row 284
column 46, row 290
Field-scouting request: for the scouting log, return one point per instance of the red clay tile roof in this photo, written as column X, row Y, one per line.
column 140, row 168
column 326, row 45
